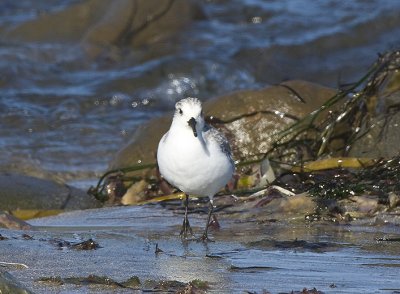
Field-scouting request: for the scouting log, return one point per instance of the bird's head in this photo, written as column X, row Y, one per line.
column 189, row 113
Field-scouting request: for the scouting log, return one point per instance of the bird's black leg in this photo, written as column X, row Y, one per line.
column 204, row 237
column 186, row 229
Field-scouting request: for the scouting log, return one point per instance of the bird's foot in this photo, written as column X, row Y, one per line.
column 204, row 238
column 186, row 230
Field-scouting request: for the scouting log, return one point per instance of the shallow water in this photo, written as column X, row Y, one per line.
column 244, row 257
column 67, row 113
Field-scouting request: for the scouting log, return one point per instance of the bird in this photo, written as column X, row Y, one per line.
column 195, row 158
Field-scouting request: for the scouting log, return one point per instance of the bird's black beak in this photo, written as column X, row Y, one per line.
column 192, row 124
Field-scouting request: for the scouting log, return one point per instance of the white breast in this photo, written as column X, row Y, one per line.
column 195, row 165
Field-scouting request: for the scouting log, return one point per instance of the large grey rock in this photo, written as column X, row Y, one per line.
column 25, row 192
column 248, row 135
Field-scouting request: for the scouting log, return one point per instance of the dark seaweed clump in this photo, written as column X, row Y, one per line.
column 380, row 179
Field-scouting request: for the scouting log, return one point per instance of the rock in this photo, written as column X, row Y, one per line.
column 383, row 132
column 143, row 145
column 11, row 222
column 135, row 193
column 106, row 23
column 281, row 106
column 25, row 192
column 394, row 200
column 249, row 135
column 299, row 203
column 360, row 207
column 367, row 204
column 8, row 284
column 276, row 206
column 67, row 25
column 382, row 140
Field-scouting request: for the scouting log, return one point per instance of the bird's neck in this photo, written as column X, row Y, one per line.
column 178, row 130
column 185, row 135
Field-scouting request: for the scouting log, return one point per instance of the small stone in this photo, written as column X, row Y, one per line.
column 394, row 200
column 11, row 222
column 366, row 204
column 135, row 193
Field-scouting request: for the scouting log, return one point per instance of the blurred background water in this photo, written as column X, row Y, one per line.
column 67, row 111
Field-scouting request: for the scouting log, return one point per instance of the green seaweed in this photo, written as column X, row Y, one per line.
column 312, row 138
column 57, row 280
column 163, row 285
column 199, row 284
column 93, row 279
column 132, row 282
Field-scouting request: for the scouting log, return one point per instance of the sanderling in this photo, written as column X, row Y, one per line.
column 194, row 157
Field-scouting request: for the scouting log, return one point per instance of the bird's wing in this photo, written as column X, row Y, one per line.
column 211, row 133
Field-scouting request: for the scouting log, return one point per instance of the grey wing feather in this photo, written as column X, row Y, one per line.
column 213, row 134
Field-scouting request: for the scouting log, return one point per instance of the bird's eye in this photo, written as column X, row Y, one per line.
column 180, row 111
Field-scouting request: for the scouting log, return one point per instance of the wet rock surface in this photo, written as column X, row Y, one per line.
column 247, row 255
column 8, row 284
column 25, row 192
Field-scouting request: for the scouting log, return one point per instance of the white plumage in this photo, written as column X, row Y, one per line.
column 193, row 156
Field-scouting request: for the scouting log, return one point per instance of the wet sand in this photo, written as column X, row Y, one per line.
column 246, row 256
